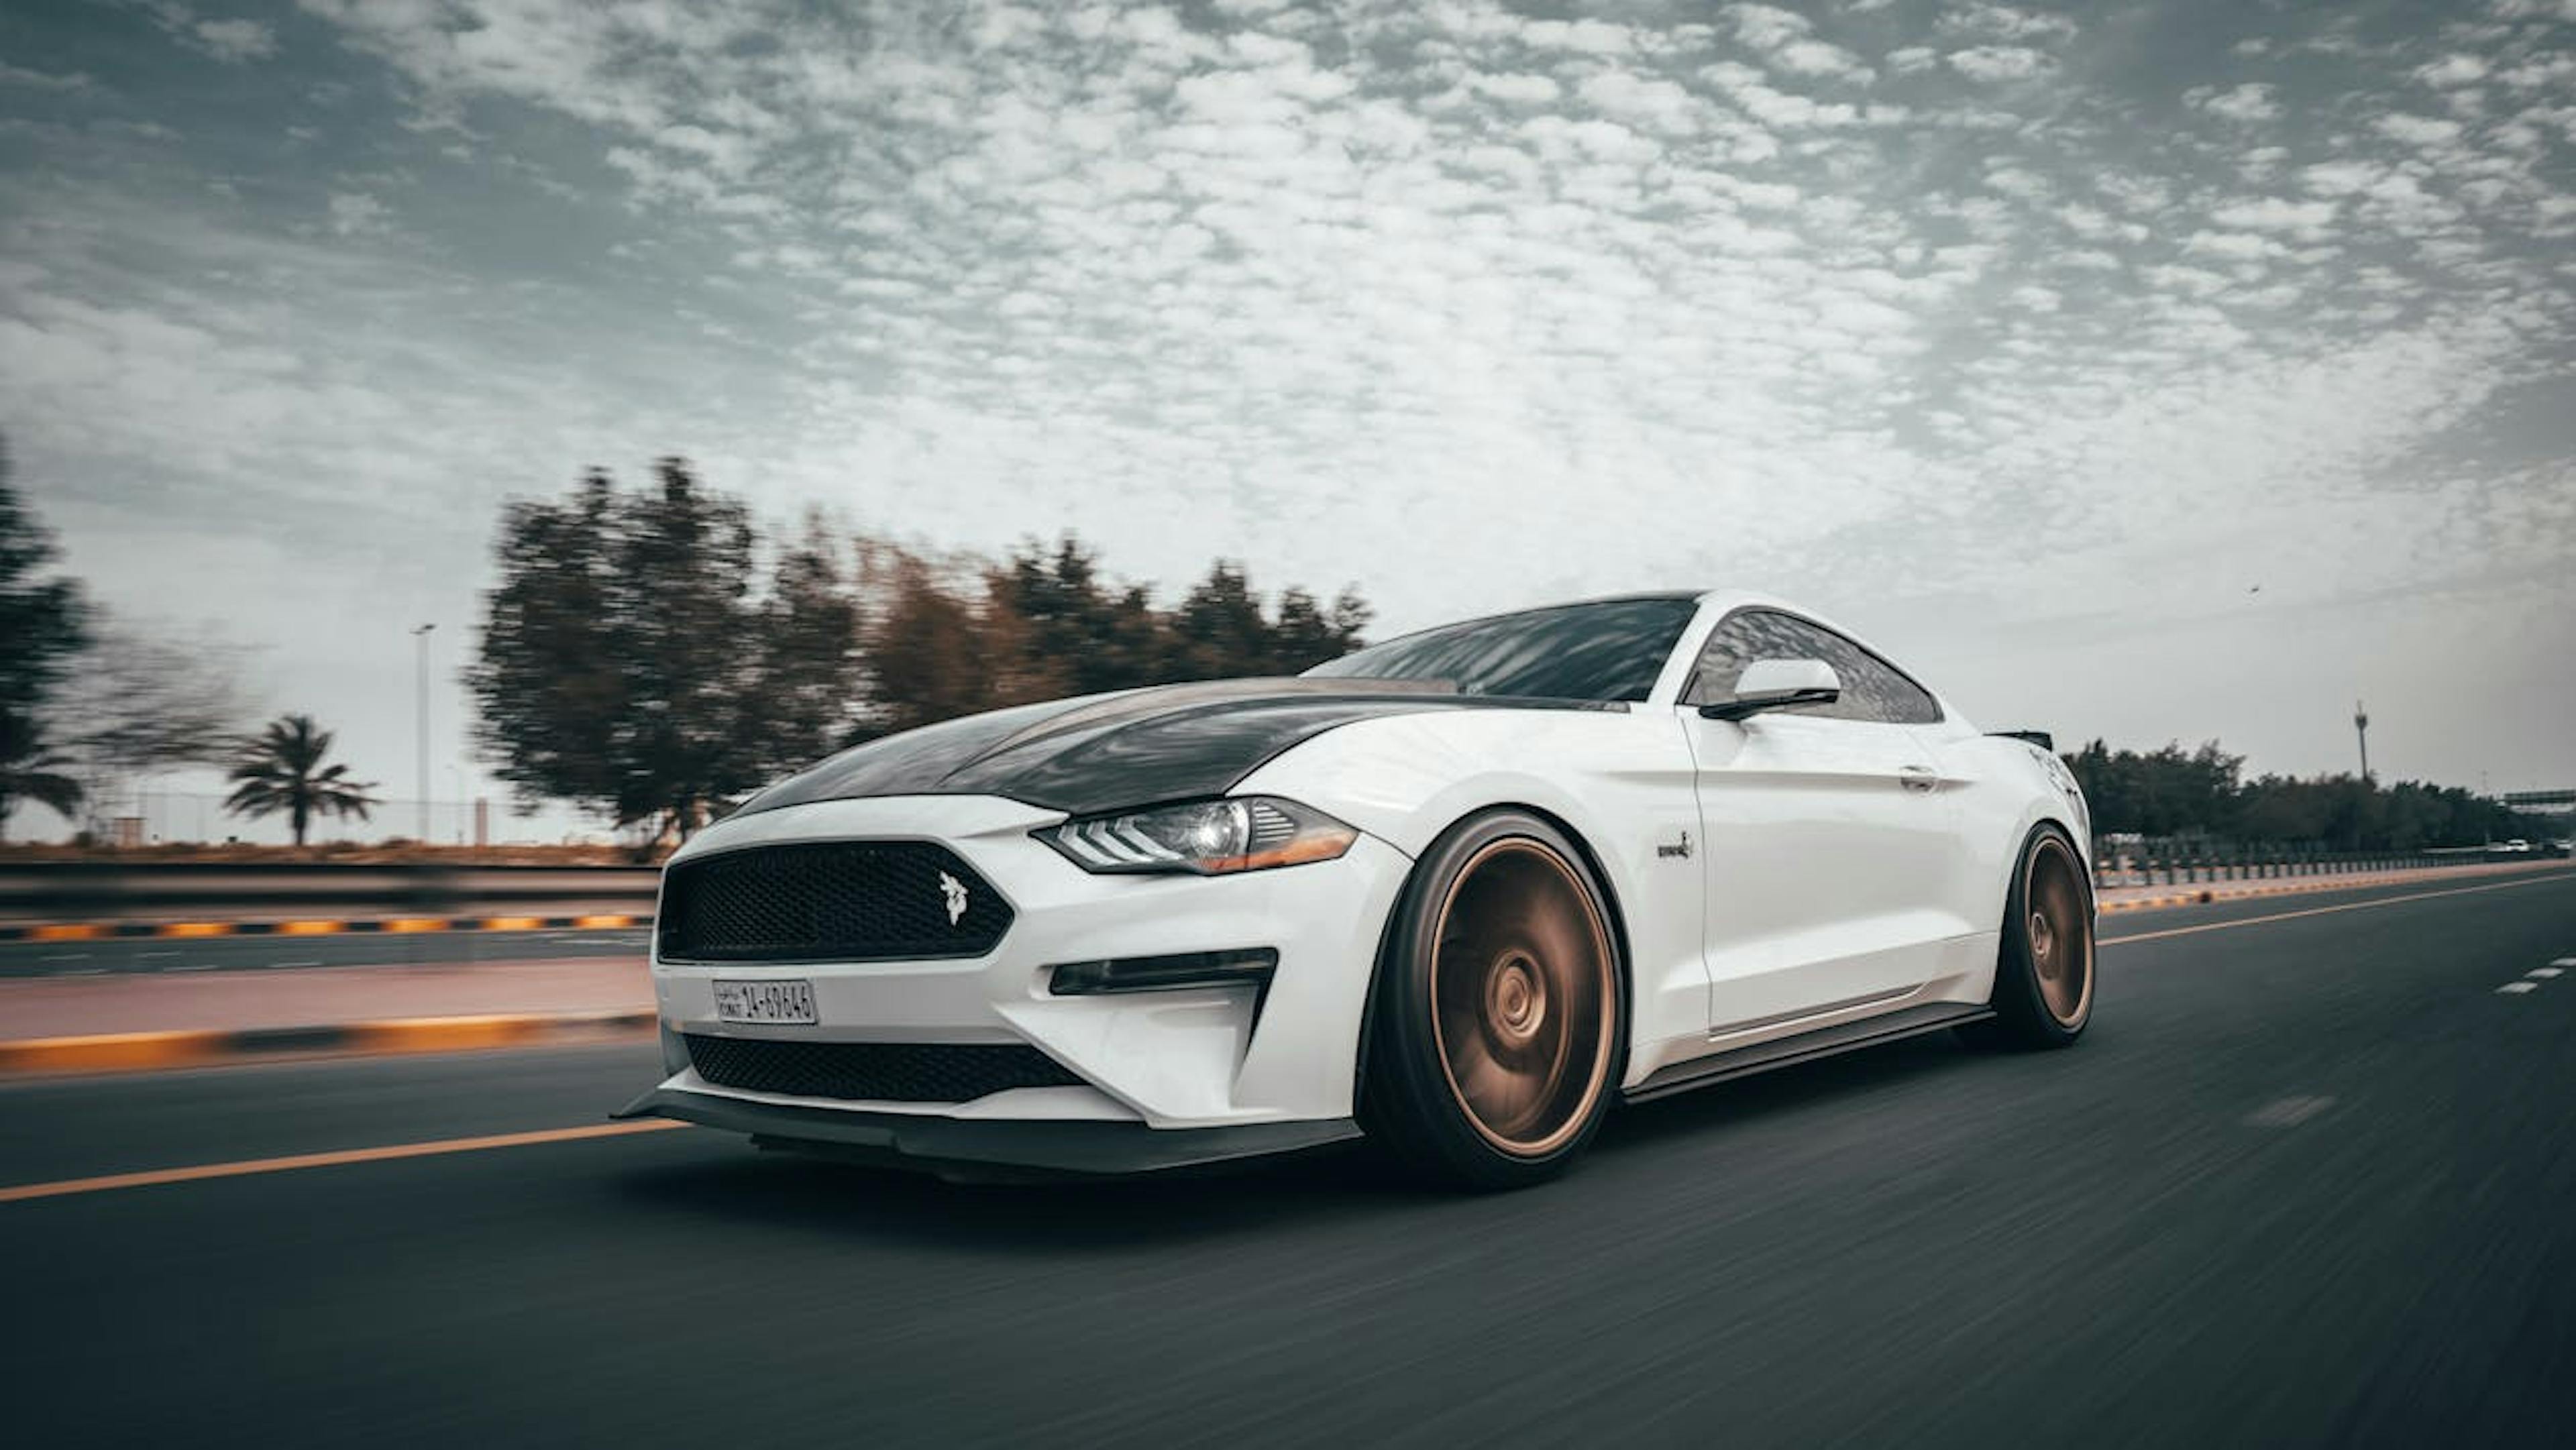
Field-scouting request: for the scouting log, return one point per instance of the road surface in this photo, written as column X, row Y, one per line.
column 2310, row 1180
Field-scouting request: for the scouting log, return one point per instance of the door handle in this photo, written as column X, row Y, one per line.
column 1917, row 777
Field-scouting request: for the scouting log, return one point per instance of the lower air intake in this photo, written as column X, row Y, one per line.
column 888, row 1072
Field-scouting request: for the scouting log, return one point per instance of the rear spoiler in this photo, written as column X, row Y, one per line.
column 2040, row 738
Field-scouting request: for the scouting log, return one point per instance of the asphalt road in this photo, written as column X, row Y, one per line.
column 353, row 949
column 2309, row 1181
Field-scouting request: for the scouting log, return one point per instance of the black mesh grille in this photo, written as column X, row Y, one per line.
column 829, row 901
column 895, row 1072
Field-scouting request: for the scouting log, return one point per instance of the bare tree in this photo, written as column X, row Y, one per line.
column 141, row 701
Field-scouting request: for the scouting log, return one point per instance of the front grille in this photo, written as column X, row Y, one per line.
column 829, row 901
column 894, row 1072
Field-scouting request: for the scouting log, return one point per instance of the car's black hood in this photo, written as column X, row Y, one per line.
column 1106, row 752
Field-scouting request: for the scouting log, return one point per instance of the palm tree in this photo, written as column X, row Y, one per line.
column 30, row 771
column 281, row 770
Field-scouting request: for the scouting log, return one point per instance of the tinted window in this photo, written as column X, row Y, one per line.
column 1607, row 651
column 1872, row 689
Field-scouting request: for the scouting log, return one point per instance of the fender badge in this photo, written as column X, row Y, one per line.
column 955, row 891
column 1680, row 848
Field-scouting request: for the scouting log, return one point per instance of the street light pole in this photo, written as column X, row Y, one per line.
column 420, row 698
column 2361, row 729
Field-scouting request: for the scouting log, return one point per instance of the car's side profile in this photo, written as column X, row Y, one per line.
column 1461, row 891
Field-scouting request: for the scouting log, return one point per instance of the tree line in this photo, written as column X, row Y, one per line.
column 648, row 655
column 2200, row 795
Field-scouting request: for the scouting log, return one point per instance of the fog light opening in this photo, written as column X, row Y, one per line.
column 1250, row 967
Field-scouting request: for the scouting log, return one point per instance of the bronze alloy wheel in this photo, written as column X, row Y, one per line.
column 1522, row 987
column 2060, row 930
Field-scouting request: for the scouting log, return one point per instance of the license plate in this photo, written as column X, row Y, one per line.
column 788, row 1001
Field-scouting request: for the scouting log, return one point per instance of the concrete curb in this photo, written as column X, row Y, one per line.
column 141, row 1051
column 314, row 926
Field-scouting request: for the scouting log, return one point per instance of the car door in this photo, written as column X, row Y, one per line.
column 1827, row 834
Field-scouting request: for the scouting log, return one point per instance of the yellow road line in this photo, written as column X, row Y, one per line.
column 75, row 931
column 314, row 927
column 602, row 923
column 68, row 1186
column 2112, row 941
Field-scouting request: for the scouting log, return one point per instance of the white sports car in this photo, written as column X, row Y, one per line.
column 1460, row 891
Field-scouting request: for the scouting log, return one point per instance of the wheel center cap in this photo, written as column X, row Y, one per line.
column 2043, row 943
column 1516, row 998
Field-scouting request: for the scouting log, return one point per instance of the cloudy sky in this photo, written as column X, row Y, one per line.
column 2148, row 370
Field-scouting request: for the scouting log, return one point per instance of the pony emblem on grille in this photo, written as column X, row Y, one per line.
column 955, row 891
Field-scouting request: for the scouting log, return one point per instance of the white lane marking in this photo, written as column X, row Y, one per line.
column 2287, row 1112
column 2544, row 973
column 2513, row 987
column 190, row 967
column 2564, row 962
column 156, row 954
column 65, row 957
column 314, row 963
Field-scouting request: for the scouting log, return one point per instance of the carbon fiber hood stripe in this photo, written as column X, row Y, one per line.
column 1106, row 752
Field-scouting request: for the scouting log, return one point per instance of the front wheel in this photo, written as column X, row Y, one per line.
column 2044, row 973
column 1498, row 1025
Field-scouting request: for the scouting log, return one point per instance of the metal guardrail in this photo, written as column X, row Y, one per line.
column 2124, row 868
column 112, row 891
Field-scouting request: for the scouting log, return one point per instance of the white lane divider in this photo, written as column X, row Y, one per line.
column 2287, row 1112
column 2564, row 962
column 2514, row 988
column 2544, row 973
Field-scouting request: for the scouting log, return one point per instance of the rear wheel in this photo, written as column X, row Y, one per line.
column 2044, row 974
column 1499, row 1025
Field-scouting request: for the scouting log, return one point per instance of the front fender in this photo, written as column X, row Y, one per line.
column 1622, row 782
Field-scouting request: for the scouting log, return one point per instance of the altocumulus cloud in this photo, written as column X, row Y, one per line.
column 2020, row 336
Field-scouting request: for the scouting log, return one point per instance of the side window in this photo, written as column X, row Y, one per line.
column 1872, row 688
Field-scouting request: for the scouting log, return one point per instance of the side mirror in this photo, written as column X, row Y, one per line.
column 1776, row 685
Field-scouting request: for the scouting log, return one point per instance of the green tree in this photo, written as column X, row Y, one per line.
column 629, row 663
column 1086, row 636
column 809, row 650
column 43, row 620
column 31, row 771
column 1307, row 634
column 281, row 769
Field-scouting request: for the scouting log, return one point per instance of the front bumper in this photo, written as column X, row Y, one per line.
column 970, row 1148
column 1172, row 1064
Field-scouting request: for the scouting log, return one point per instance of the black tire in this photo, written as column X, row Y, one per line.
column 2044, row 973
column 1499, row 1024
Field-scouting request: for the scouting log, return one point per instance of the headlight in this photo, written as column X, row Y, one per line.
column 1212, row 838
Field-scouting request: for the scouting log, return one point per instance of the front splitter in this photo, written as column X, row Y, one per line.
column 987, row 1147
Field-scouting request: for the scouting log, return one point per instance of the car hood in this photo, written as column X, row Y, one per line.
column 1135, row 747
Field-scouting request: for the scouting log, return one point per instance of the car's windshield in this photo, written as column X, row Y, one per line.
column 1610, row 650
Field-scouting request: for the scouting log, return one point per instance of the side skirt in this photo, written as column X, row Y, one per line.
column 1806, row 1047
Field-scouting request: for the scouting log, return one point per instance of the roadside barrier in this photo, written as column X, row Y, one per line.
column 2119, row 867
column 314, row 926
